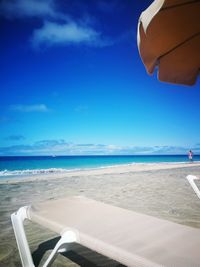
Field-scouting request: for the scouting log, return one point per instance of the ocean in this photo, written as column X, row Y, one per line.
column 30, row 165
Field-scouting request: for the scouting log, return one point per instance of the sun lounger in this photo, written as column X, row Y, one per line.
column 130, row 238
column 191, row 179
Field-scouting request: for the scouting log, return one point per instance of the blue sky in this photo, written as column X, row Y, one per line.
column 72, row 83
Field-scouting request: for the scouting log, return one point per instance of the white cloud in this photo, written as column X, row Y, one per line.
column 62, row 31
column 29, row 108
column 64, row 34
column 27, row 8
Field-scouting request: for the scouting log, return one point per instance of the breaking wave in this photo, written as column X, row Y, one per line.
column 32, row 172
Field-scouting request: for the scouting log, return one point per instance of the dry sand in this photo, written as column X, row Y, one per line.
column 160, row 190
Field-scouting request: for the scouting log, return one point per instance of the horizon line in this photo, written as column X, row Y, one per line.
column 96, row 155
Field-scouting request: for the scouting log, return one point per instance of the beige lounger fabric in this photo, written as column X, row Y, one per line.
column 131, row 238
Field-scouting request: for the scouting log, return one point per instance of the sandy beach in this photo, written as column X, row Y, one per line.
column 159, row 190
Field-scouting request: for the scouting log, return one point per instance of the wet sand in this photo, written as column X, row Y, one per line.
column 160, row 190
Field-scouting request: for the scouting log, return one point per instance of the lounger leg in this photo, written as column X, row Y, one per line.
column 24, row 251
column 191, row 179
column 61, row 246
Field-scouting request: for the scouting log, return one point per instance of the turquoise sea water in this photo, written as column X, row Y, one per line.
column 10, row 166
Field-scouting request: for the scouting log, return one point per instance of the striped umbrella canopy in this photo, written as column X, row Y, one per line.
column 169, row 39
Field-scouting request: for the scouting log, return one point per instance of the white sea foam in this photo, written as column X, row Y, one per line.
column 32, row 172
column 27, row 172
column 7, row 173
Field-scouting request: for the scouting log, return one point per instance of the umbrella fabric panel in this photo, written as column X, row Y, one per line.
column 177, row 24
column 185, row 68
column 173, row 3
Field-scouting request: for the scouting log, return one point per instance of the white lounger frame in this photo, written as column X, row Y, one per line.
column 191, row 179
column 22, row 243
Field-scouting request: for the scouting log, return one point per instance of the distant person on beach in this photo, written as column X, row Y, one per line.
column 190, row 155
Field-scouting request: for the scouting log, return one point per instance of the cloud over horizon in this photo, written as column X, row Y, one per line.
column 61, row 147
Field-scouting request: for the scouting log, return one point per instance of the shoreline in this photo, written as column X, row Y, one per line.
column 104, row 170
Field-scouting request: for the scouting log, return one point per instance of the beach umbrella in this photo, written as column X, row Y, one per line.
column 169, row 39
